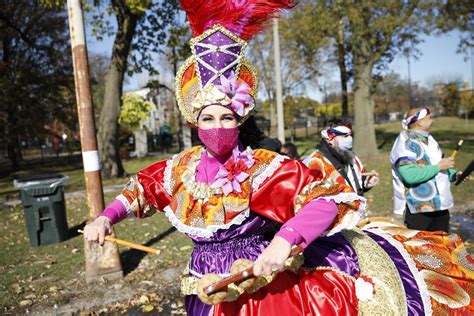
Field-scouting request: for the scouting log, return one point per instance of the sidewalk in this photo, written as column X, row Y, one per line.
column 76, row 194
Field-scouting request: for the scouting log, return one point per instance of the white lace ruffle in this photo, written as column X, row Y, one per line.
column 352, row 218
column 268, row 172
column 425, row 297
column 206, row 232
column 167, row 175
column 125, row 203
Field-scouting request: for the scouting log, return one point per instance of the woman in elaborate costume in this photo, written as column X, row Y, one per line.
column 227, row 198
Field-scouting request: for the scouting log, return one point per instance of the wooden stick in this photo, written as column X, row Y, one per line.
column 240, row 276
column 455, row 152
column 369, row 174
column 379, row 219
column 130, row 244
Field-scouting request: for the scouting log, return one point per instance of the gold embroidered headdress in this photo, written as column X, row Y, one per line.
column 217, row 72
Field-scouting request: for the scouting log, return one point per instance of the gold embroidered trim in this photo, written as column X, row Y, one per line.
column 389, row 297
column 313, row 190
column 253, row 71
column 198, row 190
column 186, row 111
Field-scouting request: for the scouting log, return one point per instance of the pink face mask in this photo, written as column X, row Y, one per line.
column 219, row 141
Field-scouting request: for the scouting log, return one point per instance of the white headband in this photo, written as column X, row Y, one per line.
column 415, row 117
column 329, row 132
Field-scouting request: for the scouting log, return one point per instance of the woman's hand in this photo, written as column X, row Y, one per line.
column 458, row 175
column 372, row 180
column 446, row 163
column 97, row 230
column 273, row 258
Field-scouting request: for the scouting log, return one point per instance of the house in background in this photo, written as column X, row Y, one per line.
column 157, row 130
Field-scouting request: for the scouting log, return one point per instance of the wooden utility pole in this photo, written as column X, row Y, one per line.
column 279, row 94
column 100, row 261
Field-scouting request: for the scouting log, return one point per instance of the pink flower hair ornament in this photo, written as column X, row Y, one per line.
column 239, row 93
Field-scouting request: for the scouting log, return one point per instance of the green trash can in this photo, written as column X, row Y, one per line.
column 42, row 197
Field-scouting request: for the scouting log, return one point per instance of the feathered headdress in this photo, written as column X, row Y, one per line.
column 217, row 72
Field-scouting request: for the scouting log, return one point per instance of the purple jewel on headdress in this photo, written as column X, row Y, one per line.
column 218, row 56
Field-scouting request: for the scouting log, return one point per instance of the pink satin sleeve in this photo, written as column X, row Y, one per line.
column 115, row 211
column 309, row 223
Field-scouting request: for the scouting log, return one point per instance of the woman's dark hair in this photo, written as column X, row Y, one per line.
column 250, row 134
column 290, row 150
column 338, row 121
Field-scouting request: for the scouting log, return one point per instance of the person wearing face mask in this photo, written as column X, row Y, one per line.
column 334, row 157
column 228, row 197
column 421, row 175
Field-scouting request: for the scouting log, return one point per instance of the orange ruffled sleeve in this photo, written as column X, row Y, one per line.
column 146, row 192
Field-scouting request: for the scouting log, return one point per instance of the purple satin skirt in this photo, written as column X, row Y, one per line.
column 248, row 240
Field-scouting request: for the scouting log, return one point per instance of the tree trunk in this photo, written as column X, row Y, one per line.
column 10, row 129
column 13, row 145
column 341, row 61
column 364, row 137
column 108, row 136
column 12, row 134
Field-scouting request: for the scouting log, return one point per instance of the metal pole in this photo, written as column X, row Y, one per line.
column 279, row 94
column 410, row 105
column 100, row 261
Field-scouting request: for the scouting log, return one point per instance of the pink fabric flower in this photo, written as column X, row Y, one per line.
column 238, row 92
column 233, row 172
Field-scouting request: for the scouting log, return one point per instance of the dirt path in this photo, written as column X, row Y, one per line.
column 140, row 292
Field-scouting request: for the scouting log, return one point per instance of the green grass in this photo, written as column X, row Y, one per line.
column 46, row 274
column 75, row 173
column 27, row 271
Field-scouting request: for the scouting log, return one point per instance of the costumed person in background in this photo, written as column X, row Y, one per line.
column 420, row 250
column 226, row 197
column 272, row 144
column 420, row 175
column 290, row 150
column 335, row 159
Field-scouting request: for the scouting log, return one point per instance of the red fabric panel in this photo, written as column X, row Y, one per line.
column 320, row 292
column 275, row 198
column 151, row 179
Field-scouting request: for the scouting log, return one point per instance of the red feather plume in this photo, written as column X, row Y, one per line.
column 245, row 18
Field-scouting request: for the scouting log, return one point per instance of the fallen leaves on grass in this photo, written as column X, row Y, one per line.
column 184, row 248
column 148, row 308
column 144, row 299
column 25, row 303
